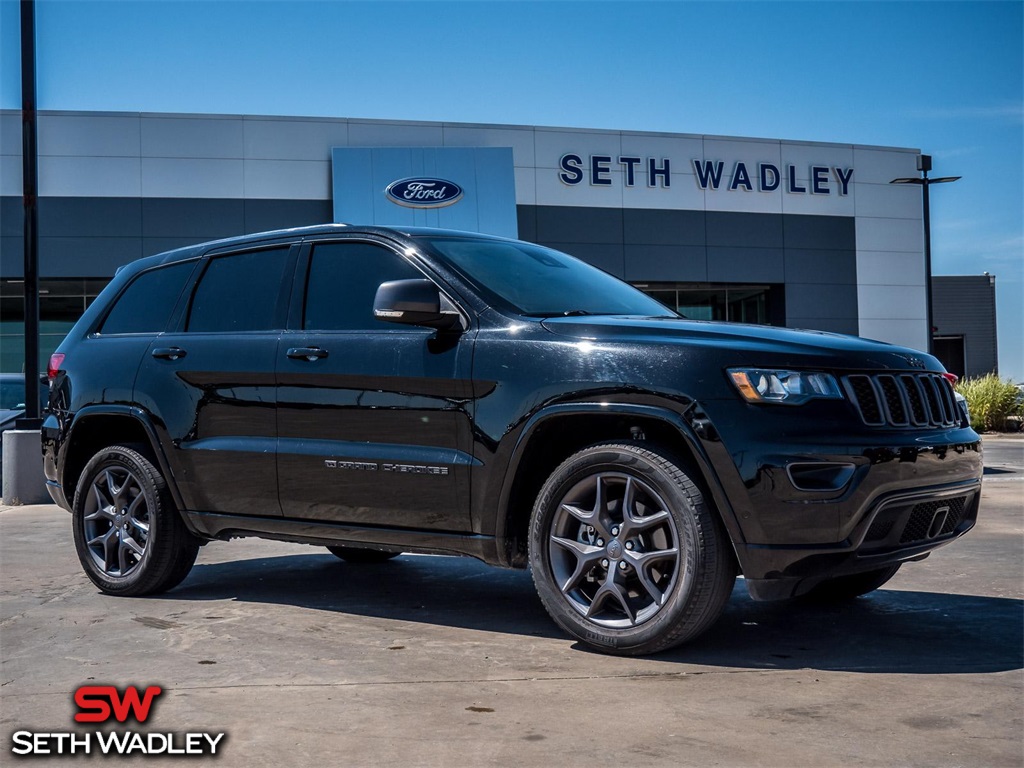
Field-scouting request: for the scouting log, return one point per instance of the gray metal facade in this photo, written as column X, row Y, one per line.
column 813, row 257
column 965, row 306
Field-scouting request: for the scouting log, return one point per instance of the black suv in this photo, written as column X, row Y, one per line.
column 376, row 391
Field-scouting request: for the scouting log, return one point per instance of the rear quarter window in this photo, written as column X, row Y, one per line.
column 146, row 304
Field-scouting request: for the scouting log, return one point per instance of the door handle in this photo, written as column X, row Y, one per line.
column 307, row 353
column 169, row 353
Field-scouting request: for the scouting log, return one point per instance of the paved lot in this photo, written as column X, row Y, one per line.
column 303, row 659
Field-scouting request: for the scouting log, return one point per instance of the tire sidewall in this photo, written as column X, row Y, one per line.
column 122, row 459
column 682, row 509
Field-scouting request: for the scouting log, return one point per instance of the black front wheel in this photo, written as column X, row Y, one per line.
column 129, row 536
column 626, row 556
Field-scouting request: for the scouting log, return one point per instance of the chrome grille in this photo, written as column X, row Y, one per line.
column 903, row 400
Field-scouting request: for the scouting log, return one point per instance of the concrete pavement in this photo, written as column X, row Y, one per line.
column 304, row 659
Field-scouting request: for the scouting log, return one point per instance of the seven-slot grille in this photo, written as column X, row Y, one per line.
column 903, row 399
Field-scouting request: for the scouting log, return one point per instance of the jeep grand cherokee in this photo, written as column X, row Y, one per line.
column 378, row 391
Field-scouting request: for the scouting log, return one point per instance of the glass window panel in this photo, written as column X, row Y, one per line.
column 61, row 308
column 145, row 305
column 733, row 303
column 343, row 281
column 239, row 292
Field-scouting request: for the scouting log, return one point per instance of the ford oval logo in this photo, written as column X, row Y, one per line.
column 424, row 193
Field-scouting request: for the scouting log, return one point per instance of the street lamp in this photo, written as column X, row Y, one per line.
column 924, row 164
column 30, row 196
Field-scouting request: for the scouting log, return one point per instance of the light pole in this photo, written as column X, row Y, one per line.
column 924, row 164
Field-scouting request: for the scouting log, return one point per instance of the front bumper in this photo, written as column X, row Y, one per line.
column 899, row 527
column 814, row 495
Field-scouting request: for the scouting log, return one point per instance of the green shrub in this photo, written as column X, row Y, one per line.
column 991, row 401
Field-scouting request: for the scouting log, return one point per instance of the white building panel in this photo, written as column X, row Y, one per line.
column 681, row 149
column 803, row 156
column 552, row 144
column 364, row 133
column 10, row 133
column 890, row 268
column 905, row 333
column 89, row 135
column 287, row 179
column 682, row 194
column 186, row 177
column 874, row 234
column 892, row 201
column 880, row 166
column 732, row 151
column 269, row 139
column 520, row 139
column 89, row 177
column 526, row 186
column 10, row 176
column 204, row 137
column 742, row 200
column 902, row 302
column 832, row 204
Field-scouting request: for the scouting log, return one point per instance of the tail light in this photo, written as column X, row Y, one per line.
column 952, row 378
column 56, row 360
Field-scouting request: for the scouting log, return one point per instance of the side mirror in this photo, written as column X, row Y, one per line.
column 414, row 302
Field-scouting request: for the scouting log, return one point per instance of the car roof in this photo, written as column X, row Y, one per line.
column 295, row 233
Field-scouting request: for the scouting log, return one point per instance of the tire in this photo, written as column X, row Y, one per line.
column 140, row 549
column 849, row 587
column 626, row 556
column 363, row 556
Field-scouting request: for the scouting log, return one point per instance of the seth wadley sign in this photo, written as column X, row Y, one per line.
column 709, row 174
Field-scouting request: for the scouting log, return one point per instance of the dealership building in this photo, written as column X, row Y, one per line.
column 801, row 234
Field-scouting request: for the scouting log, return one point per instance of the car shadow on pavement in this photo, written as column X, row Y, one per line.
column 888, row 631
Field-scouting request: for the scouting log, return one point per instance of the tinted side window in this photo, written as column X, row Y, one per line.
column 342, row 282
column 146, row 304
column 239, row 292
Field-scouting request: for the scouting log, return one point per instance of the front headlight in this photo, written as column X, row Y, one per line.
column 790, row 387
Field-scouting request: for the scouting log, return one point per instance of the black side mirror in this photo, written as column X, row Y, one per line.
column 414, row 302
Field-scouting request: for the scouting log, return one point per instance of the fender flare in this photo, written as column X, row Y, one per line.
column 144, row 420
column 673, row 418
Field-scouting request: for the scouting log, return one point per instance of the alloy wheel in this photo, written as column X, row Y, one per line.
column 614, row 550
column 117, row 521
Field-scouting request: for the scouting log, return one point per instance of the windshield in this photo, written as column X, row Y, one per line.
column 539, row 282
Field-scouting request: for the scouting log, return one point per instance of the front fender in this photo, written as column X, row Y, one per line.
column 686, row 424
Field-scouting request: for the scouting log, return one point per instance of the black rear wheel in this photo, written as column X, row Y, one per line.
column 129, row 536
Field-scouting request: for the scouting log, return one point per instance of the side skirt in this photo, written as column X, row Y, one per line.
column 212, row 525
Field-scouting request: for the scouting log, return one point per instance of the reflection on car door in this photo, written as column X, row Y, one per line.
column 371, row 415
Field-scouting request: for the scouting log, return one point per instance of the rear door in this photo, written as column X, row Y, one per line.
column 210, row 383
column 372, row 415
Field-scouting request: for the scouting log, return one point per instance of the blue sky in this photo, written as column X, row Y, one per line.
column 945, row 77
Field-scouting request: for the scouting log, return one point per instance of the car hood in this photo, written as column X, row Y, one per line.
column 759, row 344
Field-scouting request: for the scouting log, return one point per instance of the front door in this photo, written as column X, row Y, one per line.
column 372, row 419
